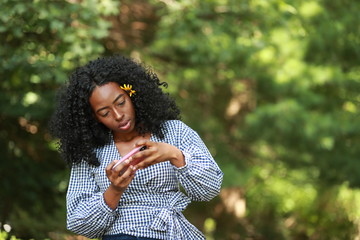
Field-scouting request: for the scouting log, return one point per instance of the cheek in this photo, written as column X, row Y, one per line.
column 131, row 109
column 104, row 121
column 100, row 119
column 96, row 118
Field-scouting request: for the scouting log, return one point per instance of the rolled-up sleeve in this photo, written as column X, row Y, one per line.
column 87, row 212
column 201, row 177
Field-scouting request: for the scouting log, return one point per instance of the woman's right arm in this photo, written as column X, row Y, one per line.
column 87, row 212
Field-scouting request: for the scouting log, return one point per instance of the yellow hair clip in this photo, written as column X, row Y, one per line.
column 128, row 88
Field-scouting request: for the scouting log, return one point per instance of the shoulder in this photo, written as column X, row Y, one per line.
column 177, row 128
column 175, row 131
column 175, row 125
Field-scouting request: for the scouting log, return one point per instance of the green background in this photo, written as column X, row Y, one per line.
column 272, row 87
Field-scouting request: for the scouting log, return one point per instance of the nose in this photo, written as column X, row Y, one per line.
column 118, row 115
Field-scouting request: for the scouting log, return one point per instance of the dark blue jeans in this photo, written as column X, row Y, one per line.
column 124, row 237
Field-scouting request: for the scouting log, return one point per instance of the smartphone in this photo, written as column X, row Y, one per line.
column 132, row 152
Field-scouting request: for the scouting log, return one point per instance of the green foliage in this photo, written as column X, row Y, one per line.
column 4, row 236
column 268, row 84
column 271, row 86
column 41, row 41
column 230, row 52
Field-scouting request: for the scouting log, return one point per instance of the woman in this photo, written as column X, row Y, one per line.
column 109, row 107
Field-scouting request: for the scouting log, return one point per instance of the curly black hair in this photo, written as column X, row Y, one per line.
column 73, row 121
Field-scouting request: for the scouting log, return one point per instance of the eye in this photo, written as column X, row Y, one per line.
column 105, row 114
column 121, row 103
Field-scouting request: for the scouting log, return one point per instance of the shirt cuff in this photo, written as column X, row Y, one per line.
column 105, row 207
column 187, row 159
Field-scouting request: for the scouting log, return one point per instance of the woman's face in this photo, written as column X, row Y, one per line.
column 113, row 107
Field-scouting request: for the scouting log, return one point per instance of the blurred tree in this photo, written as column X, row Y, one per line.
column 271, row 86
column 41, row 41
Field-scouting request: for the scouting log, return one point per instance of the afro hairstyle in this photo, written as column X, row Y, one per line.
column 73, row 122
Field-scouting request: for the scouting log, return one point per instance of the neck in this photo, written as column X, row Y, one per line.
column 124, row 138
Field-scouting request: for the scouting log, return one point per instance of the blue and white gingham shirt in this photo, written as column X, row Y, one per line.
column 152, row 204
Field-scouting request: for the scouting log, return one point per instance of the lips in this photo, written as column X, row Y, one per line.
column 124, row 125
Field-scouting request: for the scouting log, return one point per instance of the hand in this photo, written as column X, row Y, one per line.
column 121, row 176
column 157, row 152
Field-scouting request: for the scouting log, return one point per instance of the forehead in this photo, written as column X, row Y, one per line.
column 105, row 94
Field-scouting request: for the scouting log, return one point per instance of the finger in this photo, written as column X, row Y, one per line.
column 144, row 163
column 129, row 171
column 109, row 170
column 139, row 157
column 125, row 178
column 121, row 167
column 126, row 181
column 143, row 142
column 111, row 165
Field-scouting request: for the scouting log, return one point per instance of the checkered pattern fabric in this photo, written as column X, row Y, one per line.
column 152, row 205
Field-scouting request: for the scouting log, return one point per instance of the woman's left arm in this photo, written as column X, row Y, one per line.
column 201, row 177
column 194, row 166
